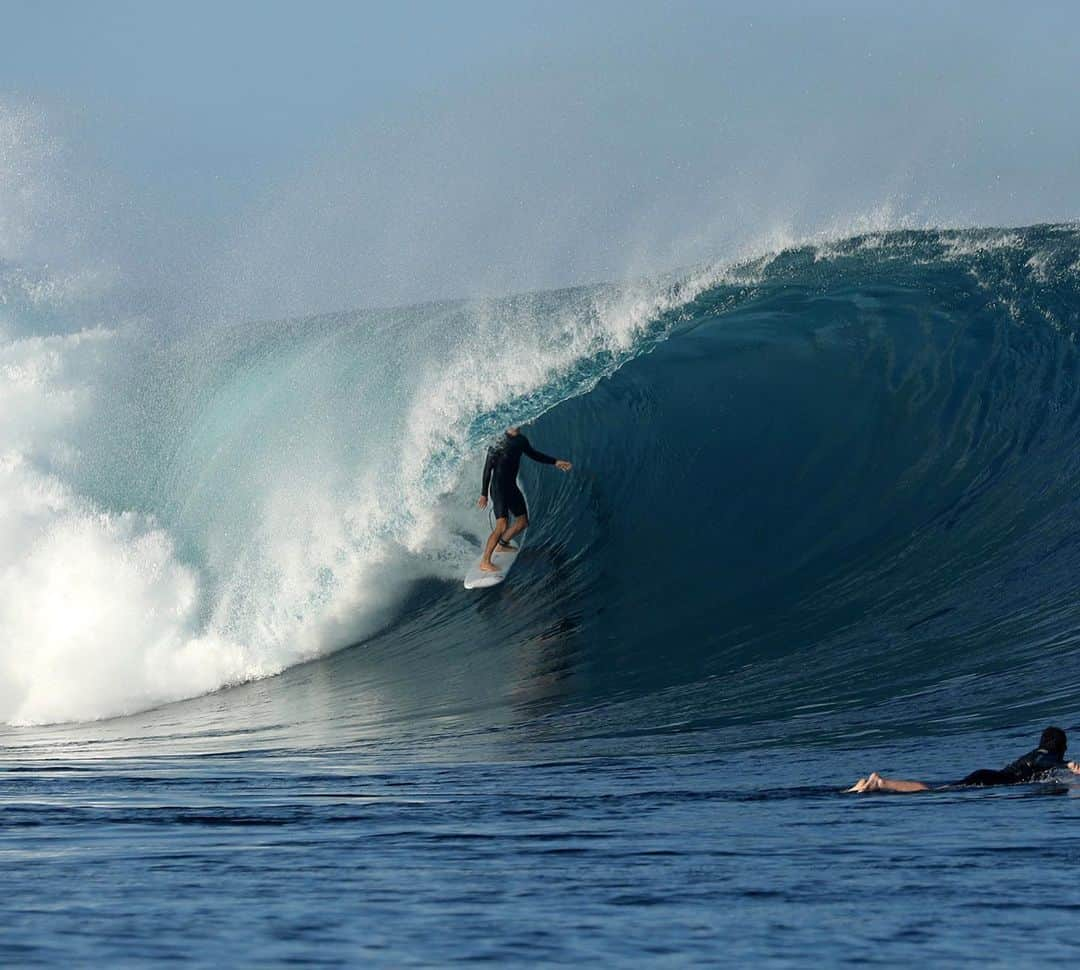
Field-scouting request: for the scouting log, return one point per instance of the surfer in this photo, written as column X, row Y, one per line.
column 1034, row 766
column 500, row 474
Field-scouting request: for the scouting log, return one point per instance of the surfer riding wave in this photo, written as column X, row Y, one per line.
column 500, row 479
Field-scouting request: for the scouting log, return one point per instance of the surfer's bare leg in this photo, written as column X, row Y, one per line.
column 486, row 565
column 521, row 523
column 875, row 782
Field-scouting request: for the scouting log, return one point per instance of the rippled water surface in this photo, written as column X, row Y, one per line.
column 328, row 856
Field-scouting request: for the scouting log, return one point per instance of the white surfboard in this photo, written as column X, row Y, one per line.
column 476, row 578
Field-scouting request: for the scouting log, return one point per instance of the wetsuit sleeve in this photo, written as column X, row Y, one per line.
column 536, row 455
column 489, row 466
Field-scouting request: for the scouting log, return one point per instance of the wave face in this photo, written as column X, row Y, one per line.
column 824, row 493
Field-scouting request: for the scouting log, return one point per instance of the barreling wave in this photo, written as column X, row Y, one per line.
column 828, row 491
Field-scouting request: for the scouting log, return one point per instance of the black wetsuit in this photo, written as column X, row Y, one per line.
column 501, row 470
column 1031, row 767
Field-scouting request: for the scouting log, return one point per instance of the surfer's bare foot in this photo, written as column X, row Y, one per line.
column 873, row 783
column 488, row 567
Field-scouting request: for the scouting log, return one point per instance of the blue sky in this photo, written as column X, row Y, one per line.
column 293, row 157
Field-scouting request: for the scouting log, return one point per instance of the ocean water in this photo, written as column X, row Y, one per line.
column 822, row 521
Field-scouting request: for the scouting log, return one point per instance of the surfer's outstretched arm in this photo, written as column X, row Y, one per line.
column 561, row 463
column 528, row 449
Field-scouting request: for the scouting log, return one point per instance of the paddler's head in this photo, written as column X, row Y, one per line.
column 1053, row 741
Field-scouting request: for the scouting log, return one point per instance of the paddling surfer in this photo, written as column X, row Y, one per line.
column 1036, row 765
column 500, row 476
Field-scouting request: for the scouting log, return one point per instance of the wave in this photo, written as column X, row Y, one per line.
column 188, row 511
column 825, row 490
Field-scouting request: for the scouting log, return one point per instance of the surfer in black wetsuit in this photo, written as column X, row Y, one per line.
column 1049, row 756
column 500, row 476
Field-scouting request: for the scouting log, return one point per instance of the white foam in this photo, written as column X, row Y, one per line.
column 96, row 615
column 959, row 245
